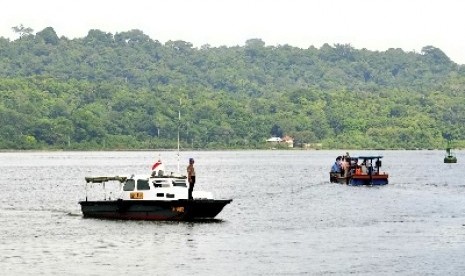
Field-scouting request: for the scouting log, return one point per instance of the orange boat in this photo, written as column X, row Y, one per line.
column 366, row 173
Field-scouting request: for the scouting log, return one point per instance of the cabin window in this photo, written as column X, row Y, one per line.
column 129, row 185
column 156, row 183
column 143, row 184
column 170, row 195
column 179, row 183
column 160, row 194
column 160, row 183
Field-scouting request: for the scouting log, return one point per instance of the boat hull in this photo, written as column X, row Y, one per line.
column 358, row 180
column 373, row 180
column 177, row 210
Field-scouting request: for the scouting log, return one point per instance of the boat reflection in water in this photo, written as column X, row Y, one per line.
column 158, row 196
column 366, row 173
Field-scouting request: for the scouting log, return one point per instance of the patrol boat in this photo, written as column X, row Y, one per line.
column 156, row 196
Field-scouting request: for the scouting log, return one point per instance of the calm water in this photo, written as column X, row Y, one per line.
column 286, row 218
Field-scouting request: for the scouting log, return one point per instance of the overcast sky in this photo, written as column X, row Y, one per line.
column 371, row 24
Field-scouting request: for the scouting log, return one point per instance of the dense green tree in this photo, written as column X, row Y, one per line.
column 48, row 35
column 22, row 31
column 123, row 91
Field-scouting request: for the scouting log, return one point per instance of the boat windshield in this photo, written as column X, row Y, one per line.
column 143, row 184
column 129, row 185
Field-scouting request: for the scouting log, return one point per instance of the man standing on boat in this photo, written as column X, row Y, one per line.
column 191, row 176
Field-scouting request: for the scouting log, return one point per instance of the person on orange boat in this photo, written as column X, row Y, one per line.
column 191, row 177
column 354, row 166
column 337, row 167
column 363, row 167
column 345, row 165
column 369, row 167
column 336, row 170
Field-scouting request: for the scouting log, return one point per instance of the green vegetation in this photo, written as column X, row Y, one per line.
column 123, row 91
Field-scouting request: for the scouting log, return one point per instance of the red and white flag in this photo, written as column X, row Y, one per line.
column 154, row 166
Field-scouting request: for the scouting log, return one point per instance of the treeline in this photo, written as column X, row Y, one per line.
column 125, row 91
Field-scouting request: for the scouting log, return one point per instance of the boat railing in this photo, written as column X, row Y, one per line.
column 103, row 182
column 103, row 179
column 162, row 174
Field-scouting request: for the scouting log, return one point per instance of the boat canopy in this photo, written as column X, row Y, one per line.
column 101, row 179
column 367, row 157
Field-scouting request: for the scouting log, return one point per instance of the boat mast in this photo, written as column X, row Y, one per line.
column 179, row 124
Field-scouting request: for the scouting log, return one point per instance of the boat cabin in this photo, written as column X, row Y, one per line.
column 156, row 186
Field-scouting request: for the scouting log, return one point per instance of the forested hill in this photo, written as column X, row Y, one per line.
column 124, row 91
